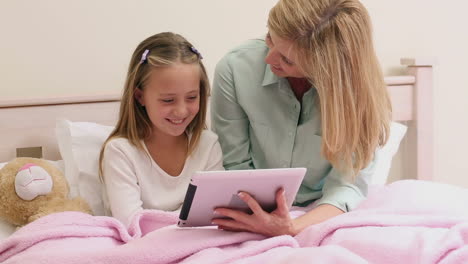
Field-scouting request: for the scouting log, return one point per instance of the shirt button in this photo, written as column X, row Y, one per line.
column 290, row 134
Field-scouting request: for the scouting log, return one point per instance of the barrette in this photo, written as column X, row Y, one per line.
column 194, row 50
column 143, row 56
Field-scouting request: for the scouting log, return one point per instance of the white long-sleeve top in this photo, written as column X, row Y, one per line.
column 133, row 181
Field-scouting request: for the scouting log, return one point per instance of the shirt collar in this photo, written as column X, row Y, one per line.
column 269, row 77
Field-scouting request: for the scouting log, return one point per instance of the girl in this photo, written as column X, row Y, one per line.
column 160, row 138
column 310, row 95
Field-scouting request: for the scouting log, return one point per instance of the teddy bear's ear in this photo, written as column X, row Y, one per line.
column 32, row 181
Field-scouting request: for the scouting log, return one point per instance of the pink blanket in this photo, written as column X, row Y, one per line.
column 405, row 222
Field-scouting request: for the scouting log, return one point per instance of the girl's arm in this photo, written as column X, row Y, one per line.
column 121, row 185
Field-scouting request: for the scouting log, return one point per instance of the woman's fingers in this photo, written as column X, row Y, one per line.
column 228, row 228
column 234, row 214
column 251, row 202
column 281, row 203
column 260, row 221
column 230, row 225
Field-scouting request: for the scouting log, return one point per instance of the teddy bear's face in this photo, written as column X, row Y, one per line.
column 32, row 181
column 27, row 185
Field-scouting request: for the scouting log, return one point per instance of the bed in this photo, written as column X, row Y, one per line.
column 400, row 222
column 411, row 96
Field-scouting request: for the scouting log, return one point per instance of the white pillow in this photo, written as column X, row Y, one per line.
column 384, row 155
column 80, row 144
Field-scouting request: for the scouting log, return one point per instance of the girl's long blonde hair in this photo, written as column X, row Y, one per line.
column 164, row 49
column 333, row 42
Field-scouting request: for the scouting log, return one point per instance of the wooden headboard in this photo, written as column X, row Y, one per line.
column 412, row 103
column 31, row 122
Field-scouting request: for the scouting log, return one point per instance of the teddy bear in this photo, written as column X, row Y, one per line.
column 31, row 188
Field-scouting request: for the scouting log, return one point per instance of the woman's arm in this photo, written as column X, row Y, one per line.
column 229, row 120
column 317, row 215
column 215, row 160
column 275, row 223
column 346, row 193
column 339, row 196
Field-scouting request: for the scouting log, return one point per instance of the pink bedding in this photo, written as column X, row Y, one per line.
column 405, row 222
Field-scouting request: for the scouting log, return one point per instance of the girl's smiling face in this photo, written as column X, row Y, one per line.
column 171, row 97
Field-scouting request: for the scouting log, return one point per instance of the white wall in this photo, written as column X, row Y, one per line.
column 432, row 28
column 56, row 47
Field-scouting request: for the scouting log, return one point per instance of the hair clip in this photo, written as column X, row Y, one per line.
column 194, row 50
column 143, row 56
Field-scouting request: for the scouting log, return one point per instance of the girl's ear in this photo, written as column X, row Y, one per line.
column 139, row 96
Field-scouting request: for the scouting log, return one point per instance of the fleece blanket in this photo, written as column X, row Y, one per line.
column 404, row 222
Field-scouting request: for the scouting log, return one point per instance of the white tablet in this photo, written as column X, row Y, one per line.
column 209, row 190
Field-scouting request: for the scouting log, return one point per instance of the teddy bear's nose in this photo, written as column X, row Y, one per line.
column 32, row 181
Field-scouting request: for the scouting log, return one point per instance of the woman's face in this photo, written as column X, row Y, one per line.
column 281, row 57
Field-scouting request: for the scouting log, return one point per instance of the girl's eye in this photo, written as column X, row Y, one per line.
column 192, row 97
column 167, row 100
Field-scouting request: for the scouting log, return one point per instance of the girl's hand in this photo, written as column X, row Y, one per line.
column 275, row 223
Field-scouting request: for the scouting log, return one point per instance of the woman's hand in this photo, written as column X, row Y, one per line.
column 275, row 223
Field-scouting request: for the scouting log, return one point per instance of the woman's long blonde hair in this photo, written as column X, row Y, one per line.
column 164, row 49
column 333, row 42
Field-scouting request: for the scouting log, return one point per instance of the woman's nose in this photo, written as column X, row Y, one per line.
column 271, row 57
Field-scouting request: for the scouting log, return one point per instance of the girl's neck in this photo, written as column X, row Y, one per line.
column 169, row 152
column 163, row 140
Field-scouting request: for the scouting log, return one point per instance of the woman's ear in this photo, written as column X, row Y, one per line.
column 139, row 96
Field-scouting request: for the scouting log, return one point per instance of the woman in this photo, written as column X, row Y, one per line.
column 310, row 95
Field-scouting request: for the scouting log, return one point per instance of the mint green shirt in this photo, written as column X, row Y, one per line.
column 261, row 124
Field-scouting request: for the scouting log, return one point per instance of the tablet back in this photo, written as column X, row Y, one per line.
column 212, row 189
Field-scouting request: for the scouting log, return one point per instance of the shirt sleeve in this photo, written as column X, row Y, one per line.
column 229, row 120
column 344, row 193
column 215, row 161
column 121, row 184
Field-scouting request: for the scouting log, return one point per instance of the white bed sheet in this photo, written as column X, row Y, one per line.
column 7, row 229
